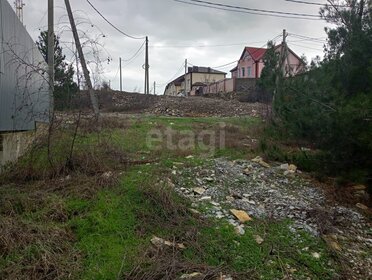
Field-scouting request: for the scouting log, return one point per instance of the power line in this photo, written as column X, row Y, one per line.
column 205, row 46
column 174, row 76
column 308, row 38
column 135, row 54
column 227, row 64
column 314, row 3
column 305, row 2
column 122, row 32
column 306, row 47
column 247, row 10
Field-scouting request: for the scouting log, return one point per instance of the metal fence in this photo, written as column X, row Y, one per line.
column 24, row 97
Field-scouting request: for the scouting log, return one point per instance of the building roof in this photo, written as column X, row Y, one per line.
column 258, row 54
column 255, row 53
column 201, row 69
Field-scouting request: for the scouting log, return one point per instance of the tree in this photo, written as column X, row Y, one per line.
column 330, row 105
column 64, row 86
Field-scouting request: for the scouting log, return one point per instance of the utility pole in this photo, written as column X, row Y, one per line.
column 147, row 78
column 77, row 64
column 154, row 88
column 185, row 75
column 281, row 68
column 93, row 97
column 51, row 56
column 121, row 78
column 19, row 9
column 284, row 52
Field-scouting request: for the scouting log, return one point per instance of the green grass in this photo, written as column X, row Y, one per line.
column 112, row 228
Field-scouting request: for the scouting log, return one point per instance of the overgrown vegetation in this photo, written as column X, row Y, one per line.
column 95, row 217
column 328, row 109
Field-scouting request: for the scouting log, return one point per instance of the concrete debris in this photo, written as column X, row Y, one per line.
column 315, row 255
column 160, row 242
column 199, row 191
column 241, row 215
column 260, row 161
column 332, row 243
column 194, row 211
column 268, row 193
column 359, row 187
column 240, row 230
column 192, row 275
column 258, row 239
column 361, row 206
column 224, row 277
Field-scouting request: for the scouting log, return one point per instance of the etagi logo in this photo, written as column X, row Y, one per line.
column 206, row 140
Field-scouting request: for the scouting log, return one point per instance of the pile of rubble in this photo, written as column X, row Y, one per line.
column 178, row 106
column 241, row 190
column 203, row 107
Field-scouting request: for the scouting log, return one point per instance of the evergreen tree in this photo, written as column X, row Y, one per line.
column 64, row 86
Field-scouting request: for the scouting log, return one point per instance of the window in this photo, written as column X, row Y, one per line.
column 243, row 71
column 249, row 71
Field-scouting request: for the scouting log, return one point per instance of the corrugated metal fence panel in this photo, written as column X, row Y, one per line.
column 24, row 96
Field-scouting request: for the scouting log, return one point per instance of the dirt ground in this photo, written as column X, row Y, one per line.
column 124, row 102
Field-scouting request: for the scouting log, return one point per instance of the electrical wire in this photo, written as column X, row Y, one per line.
column 314, row 3
column 253, row 11
column 135, row 54
column 116, row 28
column 206, row 46
column 227, row 64
column 173, row 77
column 306, row 47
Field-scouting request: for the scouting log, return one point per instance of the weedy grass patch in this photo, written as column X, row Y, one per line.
column 95, row 217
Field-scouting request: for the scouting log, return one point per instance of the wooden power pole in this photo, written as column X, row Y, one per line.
column 185, row 76
column 121, row 77
column 93, row 97
column 147, row 78
column 51, row 55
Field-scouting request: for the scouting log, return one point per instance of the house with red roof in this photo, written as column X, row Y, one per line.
column 251, row 63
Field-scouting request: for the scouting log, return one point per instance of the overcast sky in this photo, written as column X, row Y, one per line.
column 176, row 31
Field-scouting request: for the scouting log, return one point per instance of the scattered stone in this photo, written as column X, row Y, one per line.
column 194, row 211
column 160, row 242
column 204, row 198
column 284, row 166
column 292, row 168
column 191, row 275
column 107, row 174
column 240, row 229
column 258, row 239
column 247, row 171
column 361, row 206
column 331, row 241
column 277, row 197
column 199, row 191
column 209, row 179
column 236, row 195
column 359, row 188
column 241, row 215
column 229, row 198
column 190, row 157
column 315, row 255
column 260, row 161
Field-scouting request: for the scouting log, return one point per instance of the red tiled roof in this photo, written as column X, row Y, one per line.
column 255, row 53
